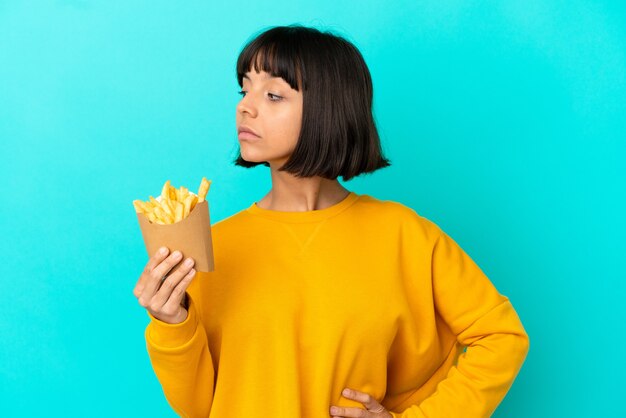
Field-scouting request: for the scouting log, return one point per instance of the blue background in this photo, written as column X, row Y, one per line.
column 504, row 122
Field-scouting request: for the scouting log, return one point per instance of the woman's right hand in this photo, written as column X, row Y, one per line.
column 163, row 299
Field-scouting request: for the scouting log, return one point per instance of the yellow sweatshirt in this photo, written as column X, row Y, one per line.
column 365, row 294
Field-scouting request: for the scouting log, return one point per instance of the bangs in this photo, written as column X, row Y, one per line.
column 277, row 55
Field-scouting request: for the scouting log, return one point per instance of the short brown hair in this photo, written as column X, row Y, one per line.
column 338, row 136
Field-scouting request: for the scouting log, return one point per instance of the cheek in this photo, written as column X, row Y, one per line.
column 288, row 128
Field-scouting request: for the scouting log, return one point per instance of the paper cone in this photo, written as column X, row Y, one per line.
column 191, row 236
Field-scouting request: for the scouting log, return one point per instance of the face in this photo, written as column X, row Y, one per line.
column 273, row 110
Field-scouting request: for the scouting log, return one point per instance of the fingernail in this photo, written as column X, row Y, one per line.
column 346, row 392
column 177, row 254
column 334, row 410
column 163, row 250
column 188, row 262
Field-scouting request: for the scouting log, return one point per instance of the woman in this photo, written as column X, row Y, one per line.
column 317, row 288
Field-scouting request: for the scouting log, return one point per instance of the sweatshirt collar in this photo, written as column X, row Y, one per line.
column 306, row 216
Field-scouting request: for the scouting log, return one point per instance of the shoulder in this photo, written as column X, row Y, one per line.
column 233, row 221
column 406, row 217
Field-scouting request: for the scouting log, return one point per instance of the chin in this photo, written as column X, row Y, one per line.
column 251, row 157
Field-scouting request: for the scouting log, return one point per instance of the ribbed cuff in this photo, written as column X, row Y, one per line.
column 168, row 336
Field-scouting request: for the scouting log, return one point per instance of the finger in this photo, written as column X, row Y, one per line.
column 173, row 304
column 156, row 258
column 365, row 398
column 168, row 287
column 166, row 266
column 154, row 277
column 342, row 412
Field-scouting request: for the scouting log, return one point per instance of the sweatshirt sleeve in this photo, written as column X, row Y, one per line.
column 182, row 362
column 486, row 323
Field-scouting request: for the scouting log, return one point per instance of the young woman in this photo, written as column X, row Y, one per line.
column 318, row 289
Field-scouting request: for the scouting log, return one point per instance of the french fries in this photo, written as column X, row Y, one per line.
column 203, row 189
column 173, row 205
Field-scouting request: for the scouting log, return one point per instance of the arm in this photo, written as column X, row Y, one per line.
column 486, row 323
column 182, row 362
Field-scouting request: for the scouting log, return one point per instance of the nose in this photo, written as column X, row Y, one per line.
column 246, row 105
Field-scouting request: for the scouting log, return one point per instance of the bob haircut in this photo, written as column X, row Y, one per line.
column 338, row 136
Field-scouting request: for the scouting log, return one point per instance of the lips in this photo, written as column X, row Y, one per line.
column 247, row 136
column 245, row 129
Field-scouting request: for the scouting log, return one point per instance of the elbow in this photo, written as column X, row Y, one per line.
column 513, row 357
column 519, row 347
column 525, row 344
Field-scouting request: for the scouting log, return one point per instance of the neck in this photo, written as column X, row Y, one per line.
column 295, row 194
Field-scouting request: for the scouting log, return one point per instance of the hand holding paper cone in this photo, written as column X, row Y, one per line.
column 166, row 302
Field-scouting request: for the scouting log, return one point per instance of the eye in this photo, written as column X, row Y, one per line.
column 273, row 97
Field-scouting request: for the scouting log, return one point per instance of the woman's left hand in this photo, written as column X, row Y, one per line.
column 374, row 408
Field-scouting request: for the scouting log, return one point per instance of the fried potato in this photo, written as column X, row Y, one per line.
column 203, row 189
column 172, row 205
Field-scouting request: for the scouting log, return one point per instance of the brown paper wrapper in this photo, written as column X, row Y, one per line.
column 191, row 236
